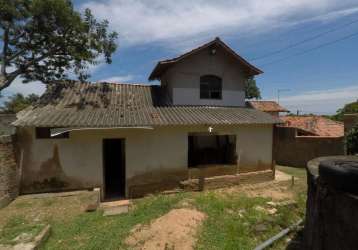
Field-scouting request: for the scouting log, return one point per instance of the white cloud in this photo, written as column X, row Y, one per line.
column 321, row 101
column 118, row 79
column 143, row 21
column 24, row 88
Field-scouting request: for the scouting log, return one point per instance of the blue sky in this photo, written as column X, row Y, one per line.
column 319, row 81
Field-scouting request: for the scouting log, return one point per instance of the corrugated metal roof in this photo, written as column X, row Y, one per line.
column 74, row 104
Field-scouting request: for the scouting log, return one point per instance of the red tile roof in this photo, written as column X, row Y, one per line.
column 317, row 125
column 267, row 106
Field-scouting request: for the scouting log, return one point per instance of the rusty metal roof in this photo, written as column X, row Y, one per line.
column 267, row 106
column 74, row 104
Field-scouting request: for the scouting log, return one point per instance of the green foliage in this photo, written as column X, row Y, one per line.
column 352, row 141
column 18, row 102
column 347, row 109
column 251, row 89
column 46, row 39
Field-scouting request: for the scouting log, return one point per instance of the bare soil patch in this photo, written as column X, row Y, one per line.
column 278, row 189
column 174, row 230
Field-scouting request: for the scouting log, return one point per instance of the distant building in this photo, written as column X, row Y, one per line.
column 314, row 126
column 271, row 107
column 303, row 138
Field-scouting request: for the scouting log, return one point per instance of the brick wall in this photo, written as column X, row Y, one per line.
column 9, row 174
column 5, row 124
column 296, row 151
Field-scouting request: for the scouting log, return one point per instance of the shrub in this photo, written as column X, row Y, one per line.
column 352, row 141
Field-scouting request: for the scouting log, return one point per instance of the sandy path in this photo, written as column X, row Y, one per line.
column 174, row 230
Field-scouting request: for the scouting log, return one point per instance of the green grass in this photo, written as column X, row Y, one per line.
column 234, row 220
column 15, row 226
column 94, row 231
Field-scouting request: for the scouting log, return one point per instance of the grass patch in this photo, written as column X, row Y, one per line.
column 14, row 227
column 94, row 231
column 234, row 220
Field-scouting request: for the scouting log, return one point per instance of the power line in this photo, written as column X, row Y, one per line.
column 304, row 41
column 312, row 49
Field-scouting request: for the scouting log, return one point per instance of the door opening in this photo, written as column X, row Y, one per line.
column 114, row 169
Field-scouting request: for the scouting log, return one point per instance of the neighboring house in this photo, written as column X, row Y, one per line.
column 302, row 138
column 132, row 139
column 271, row 107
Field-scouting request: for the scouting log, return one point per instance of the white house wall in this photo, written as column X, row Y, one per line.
column 183, row 79
column 158, row 155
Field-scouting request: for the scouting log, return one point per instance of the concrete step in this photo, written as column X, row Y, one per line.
column 115, row 207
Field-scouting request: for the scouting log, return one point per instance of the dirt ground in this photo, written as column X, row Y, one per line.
column 276, row 189
column 174, row 230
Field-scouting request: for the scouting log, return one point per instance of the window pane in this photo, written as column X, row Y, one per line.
column 210, row 87
column 204, row 94
column 215, row 95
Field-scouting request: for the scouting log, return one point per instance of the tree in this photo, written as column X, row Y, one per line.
column 347, row 109
column 352, row 141
column 44, row 40
column 251, row 89
column 18, row 102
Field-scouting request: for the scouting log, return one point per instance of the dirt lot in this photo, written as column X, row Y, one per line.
column 238, row 217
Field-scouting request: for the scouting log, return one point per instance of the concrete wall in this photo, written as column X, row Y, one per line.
column 155, row 158
column 9, row 172
column 296, row 151
column 183, row 79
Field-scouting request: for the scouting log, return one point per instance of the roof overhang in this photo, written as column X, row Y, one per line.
column 58, row 131
column 163, row 66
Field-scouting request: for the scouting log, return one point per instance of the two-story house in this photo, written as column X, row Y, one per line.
column 132, row 139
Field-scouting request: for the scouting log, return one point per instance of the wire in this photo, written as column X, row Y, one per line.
column 312, row 49
column 304, row 41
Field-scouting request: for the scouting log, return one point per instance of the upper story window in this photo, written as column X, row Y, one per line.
column 210, row 87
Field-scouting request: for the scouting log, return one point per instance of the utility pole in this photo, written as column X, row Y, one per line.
column 278, row 94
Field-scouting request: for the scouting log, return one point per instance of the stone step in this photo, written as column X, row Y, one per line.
column 115, row 207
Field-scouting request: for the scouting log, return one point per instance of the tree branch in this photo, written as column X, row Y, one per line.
column 4, row 52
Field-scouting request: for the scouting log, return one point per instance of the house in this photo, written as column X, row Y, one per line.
column 302, row 138
column 132, row 139
column 311, row 125
column 271, row 107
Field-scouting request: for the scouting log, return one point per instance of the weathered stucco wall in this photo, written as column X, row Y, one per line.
column 9, row 174
column 183, row 79
column 155, row 158
column 293, row 150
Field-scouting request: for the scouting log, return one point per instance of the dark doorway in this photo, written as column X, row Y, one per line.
column 114, row 168
column 211, row 150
